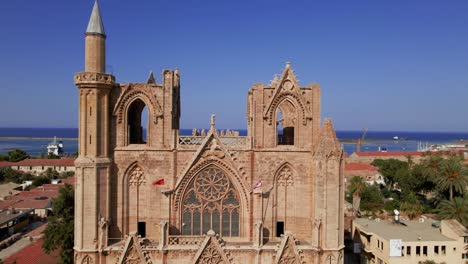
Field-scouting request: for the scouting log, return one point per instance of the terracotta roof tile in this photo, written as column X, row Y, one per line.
column 70, row 162
column 33, row 254
column 389, row 154
column 360, row 166
column 5, row 164
column 402, row 153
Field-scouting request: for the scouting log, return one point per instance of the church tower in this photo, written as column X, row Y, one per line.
column 93, row 165
column 146, row 194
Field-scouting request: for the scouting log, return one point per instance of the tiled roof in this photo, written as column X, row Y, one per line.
column 359, row 166
column 32, row 203
column 389, row 154
column 33, row 254
column 70, row 162
column 69, row 180
column 5, row 164
column 404, row 153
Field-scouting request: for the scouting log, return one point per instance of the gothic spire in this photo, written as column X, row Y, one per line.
column 95, row 25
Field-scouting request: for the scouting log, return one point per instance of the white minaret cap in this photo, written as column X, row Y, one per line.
column 95, row 25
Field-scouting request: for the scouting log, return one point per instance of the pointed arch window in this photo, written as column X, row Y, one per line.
column 286, row 119
column 211, row 203
column 137, row 117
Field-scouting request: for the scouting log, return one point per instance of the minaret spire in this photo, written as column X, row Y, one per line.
column 95, row 25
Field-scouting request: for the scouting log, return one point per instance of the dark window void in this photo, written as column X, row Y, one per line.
column 285, row 123
column 279, row 229
column 142, row 229
column 136, row 116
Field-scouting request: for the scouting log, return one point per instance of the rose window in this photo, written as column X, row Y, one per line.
column 211, row 203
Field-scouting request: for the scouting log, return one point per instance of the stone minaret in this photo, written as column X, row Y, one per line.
column 94, row 163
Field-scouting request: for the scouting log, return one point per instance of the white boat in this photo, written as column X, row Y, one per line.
column 55, row 148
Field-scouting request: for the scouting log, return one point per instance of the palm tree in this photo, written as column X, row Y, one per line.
column 432, row 165
column 356, row 187
column 412, row 206
column 454, row 209
column 453, row 176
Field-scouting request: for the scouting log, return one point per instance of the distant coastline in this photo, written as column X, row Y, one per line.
column 36, row 138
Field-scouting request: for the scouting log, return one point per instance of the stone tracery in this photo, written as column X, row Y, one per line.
column 211, row 203
column 137, row 177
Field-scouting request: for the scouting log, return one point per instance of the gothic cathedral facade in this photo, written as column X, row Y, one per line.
column 272, row 196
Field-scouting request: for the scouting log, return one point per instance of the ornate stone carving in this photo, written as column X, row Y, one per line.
column 199, row 167
column 214, row 149
column 211, row 252
column 285, row 177
column 210, row 256
column 93, row 77
column 287, row 252
column 137, row 177
column 277, row 100
column 129, row 96
column 288, row 256
column 87, row 260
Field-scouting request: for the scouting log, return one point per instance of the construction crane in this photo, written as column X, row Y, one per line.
column 361, row 140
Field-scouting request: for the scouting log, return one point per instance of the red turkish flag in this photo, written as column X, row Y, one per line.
column 159, row 182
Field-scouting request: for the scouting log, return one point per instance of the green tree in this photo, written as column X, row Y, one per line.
column 412, row 206
column 371, row 198
column 453, row 176
column 59, row 232
column 355, row 188
column 389, row 169
column 10, row 175
column 17, row 155
column 40, row 180
column 454, row 209
column 50, row 173
column 53, row 156
column 432, row 164
column 4, row 158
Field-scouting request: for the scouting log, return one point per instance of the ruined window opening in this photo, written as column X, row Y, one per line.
column 142, row 229
column 285, row 123
column 137, row 116
column 279, row 229
column 211, row 203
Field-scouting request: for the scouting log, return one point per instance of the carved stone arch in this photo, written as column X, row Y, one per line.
column 284, row 199
column 128, row 98
column 134, row 174
column 285, row 174
column 294, row 98
column 87, row 260
column 211, row 193
column 133, row 180
column 212, row 161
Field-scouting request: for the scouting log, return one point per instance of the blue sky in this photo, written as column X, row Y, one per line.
column 384, row 65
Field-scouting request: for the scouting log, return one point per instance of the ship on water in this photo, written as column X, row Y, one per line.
column 55, row 147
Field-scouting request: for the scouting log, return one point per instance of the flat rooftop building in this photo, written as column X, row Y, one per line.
column 390, row 242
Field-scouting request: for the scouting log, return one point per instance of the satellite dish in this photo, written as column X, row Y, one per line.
column 396, row 212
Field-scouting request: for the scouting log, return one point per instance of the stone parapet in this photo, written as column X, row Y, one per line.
column 94, row 78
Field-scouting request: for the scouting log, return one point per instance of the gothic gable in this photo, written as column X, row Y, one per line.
column 287, row 252
column 328, row 145
column 131, row 93
column 211, row 152
column 287, row 87
column 132, row 252
column 211, row 252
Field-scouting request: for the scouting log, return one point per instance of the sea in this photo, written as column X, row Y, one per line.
column 35, row 140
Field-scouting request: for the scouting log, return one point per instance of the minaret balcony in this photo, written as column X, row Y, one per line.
column 94, row 78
